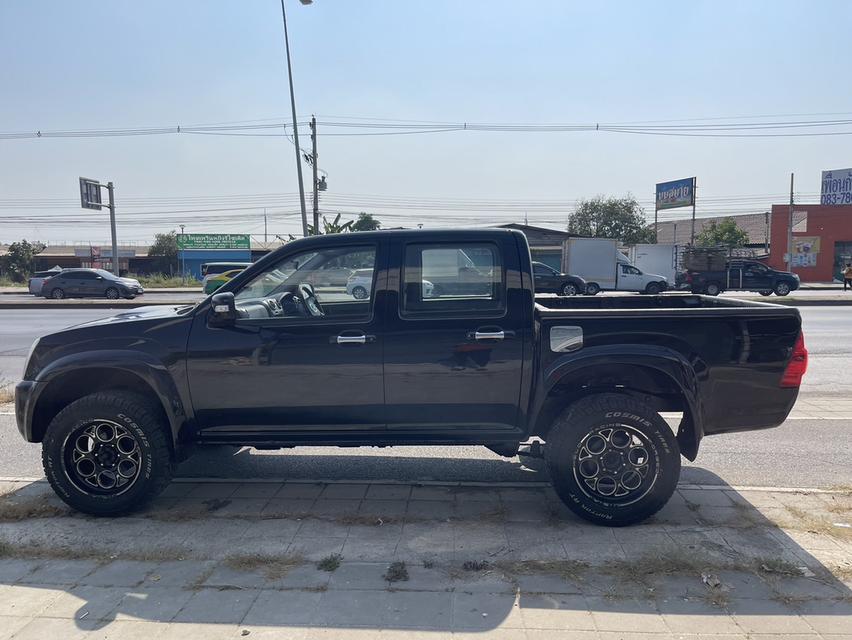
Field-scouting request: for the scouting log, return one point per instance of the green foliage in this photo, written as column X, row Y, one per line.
column 19, row 262
column 723, row 234
column 160, row 280
column 366, row 222
column 165, row 249
column 334, row 226
column 619, row 218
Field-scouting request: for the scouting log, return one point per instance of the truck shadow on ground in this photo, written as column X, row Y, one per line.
column 430, row 557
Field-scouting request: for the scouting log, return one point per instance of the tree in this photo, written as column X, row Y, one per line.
column 332, row 227
column 619, row 218
column 19, row 261
column 366, row 222
column 165, row 249
column 722, row 234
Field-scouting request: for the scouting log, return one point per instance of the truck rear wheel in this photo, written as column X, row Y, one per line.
column 712, row 289
column 593, row 288
column 612, row 459
column 107, row 453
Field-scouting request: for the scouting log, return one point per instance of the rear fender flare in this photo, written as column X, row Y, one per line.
column 683, row 374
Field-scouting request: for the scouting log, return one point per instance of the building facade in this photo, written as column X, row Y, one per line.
column 822, row 240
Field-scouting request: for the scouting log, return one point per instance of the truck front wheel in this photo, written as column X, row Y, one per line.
column 107, row 453
column 612, row 460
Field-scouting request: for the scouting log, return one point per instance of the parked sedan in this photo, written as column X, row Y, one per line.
column 214, row 282
column 549, row 280
column 80, row 283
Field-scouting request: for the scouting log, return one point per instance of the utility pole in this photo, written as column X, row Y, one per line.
column 790, row 230
column 295, row 124
column 316, row 178
column 110, row 191
column 182, row 259
column 264, row 225
column 766, row 232
column 692, row 230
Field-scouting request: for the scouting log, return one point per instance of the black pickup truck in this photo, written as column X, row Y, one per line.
column 270, row 362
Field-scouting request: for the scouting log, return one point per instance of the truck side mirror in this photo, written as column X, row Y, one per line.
column 223, row 309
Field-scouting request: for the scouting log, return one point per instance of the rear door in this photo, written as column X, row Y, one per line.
column 453, row 361
column 545, row 279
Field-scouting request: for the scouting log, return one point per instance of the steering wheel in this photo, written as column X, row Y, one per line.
column 309, row 299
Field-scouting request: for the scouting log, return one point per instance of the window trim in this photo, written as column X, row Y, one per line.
column 324, row 320
column 442, row 314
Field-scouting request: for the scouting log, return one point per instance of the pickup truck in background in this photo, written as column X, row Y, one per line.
column 270, row 362
column 604, row 268
column 742, row 275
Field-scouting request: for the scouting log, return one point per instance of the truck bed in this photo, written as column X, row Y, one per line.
column 737, row 349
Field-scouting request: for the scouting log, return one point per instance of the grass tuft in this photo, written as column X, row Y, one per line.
column 330, row 562
column 15, row 509
column 397, row 572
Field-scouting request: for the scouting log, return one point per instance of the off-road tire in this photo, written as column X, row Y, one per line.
column 141, row 419
column 566, row 442
column 57, row 293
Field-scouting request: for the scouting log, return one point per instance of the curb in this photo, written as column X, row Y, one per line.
column 95, row 304
column 440, row 483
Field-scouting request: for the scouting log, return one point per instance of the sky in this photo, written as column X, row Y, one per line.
column 120, row 64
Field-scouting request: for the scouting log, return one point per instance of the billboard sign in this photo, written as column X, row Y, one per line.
column 90, row 194
column 805, row 251
column 191, row 241
column 836, row 187
column 677, row 193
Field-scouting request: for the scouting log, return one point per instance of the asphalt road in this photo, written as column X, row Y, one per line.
column 801, row 453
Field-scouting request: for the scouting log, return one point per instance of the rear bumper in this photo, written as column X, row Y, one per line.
column 25, row 393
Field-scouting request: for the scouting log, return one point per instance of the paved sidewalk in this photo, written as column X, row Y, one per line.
column 387, row 560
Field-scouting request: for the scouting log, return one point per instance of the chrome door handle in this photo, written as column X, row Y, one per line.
column 489, row 335
column 362, row 339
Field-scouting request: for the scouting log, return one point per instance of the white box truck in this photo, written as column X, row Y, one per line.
column 655, row 258
column 604, row 268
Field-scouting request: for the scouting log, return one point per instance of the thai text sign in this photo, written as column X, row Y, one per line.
column 836, row 187
column 677, row 193
column 213, row 241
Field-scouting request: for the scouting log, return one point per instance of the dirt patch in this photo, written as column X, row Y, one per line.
column 77, row 552
column 14, row 509
column 271, row 566
column 566, row 569
column 805, row 521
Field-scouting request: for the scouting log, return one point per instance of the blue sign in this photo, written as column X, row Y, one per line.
column 677, row 193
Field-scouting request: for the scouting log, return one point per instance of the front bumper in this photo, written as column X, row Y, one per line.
column 25, row 393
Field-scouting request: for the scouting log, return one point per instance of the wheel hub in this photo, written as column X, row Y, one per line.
column 613, row 462
column 102, row 457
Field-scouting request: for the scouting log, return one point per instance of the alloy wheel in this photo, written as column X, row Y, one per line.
column 102, row 457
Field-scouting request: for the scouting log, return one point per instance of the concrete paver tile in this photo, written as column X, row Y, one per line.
column 625, row 615
column 281, row 529
column 369, row 550
column 827, row 617
column 706, row 497
column 429, row 509
column 388, row 492
column 344, row 491
column 97, row 603
column 553, row 611
column 418, row 609
column 155, row 605
column 485, row 611
column 217, row 490
column 120, row 573
column 335, row 507
column 200, row 631
column 306, row 576
column 242, row 507
column 313, row 528
column 352, row 608
column 221, row 607
column 22, row 600
column 257, row 490
column 315, row 549
column 13, row 570
column 279, row 507
column 535, row 583
column 66, row 572
column 178, row 573
column 359, row 576
column 44, row 628
column 554, row 634
column 466, row 495
column 767, row 616
column 283, row 608
column 491, row 582
column 10, row 624
column 128, row 630
column 303, row 490
column 384, row 509
column 432, row 493
column 179, row 489
column 695, row 615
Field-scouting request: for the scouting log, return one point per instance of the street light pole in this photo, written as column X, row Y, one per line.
column 295, row 125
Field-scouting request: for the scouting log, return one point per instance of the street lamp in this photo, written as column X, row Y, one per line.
column 295, row 126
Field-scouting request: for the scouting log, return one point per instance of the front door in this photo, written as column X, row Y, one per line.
column 756, row 277
column 290, row 369
column 629, row 278
column 453, row 361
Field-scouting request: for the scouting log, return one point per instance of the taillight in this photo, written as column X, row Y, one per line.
column 798, row 364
